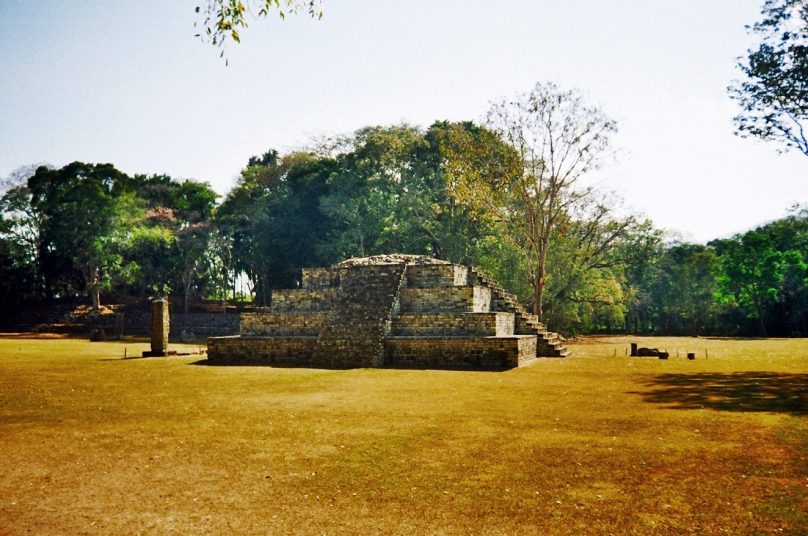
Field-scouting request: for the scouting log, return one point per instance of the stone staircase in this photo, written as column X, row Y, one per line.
column 549, row 343
column 355, row 335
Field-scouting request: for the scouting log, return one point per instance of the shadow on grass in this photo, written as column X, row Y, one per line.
column 774, row 392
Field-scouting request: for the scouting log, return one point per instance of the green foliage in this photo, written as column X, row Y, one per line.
column 684, row 285
column 456, row 191
column 83, row 219
column 149, row 252
column 19, row 243
column 754, row 283
column 222, row 20
column 762, row 276
column 774, row 95
column 392, row 192
column 90, row 228
column 273, row 220
column 551, row 140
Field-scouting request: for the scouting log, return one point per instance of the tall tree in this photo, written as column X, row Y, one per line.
column 556, row 140
column 191, row 245
column 20, row 234
column 85, row 212
column 683, row 287
column 392, row 191
column 272, row 219
column 750, row 275
column 774, row 94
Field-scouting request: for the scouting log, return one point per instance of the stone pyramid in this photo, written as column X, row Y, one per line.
column 404, row 311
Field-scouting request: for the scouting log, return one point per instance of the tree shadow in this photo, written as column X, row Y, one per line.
column 775, row 392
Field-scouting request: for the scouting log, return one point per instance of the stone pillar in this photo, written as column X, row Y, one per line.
column 159, row 329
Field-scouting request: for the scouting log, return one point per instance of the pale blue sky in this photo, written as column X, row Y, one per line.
column 128, row 83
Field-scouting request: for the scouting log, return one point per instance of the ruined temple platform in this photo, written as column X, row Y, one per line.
column 391, row 311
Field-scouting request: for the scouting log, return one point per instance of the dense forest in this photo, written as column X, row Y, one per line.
column 455, row 191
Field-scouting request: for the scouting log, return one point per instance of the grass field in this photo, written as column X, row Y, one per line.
column 598, row 443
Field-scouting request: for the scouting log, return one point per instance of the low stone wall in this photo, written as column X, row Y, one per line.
column 480, row 324
column 190, row 327
column 294, row 351
column 436, row 275
column 303, row 300
column 268, row 324
column 448, row 299
column 459, row 353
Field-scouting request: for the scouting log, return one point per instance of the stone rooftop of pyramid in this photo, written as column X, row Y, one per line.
column 394, row 258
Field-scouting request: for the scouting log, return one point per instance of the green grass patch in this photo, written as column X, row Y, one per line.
column 598, row 443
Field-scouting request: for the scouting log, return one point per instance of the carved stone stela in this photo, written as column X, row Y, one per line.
column 160, row 327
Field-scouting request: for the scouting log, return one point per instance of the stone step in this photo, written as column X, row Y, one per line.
column 465, row 353
column 452, row 324
column 457, row 299
column 354, row 337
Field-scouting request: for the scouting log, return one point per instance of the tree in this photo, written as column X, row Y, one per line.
column 391, row 191
column 556, row 140
column 223, row 19
column 750, row 274
column 20, row 232
column 273, row 221
column 683, row 287
column 586, row 266
column 191, row 245
column 86, row 214
column 774, row 95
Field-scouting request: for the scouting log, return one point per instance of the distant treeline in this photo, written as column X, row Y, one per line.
column 91, row 230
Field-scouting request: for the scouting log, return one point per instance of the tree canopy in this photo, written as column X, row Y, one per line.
column 774, row 93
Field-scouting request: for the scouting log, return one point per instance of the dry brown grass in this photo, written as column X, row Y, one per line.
column 598, row 443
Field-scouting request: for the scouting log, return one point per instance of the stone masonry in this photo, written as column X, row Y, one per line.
column 391, row 311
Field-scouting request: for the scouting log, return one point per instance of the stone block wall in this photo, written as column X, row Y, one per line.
column 313, row 278
column 294, row 351
column 447, row 299
column 303, row 300
column 455, row 324
column 488, row 353
column 271, row 324
column 437, row 275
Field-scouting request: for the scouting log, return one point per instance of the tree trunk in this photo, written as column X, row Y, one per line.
column 539, row 281
column 186, row 300
column 361, row 242
column 761, row 324
column 538, row 296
